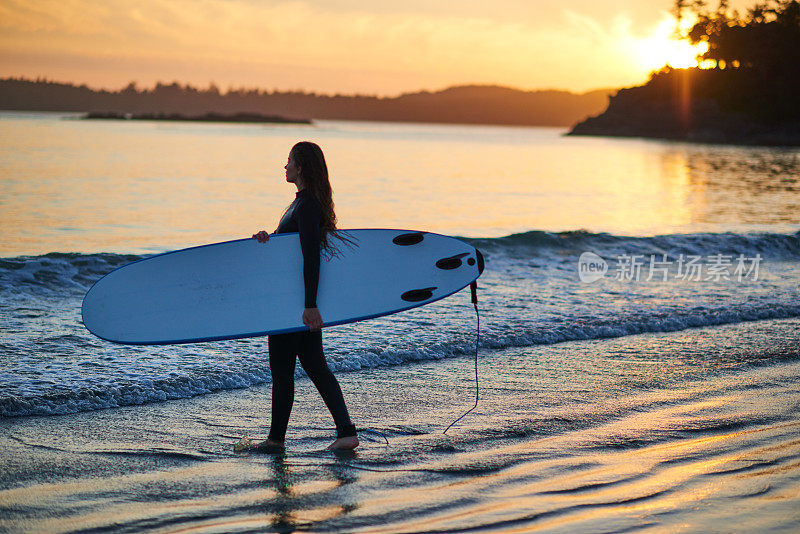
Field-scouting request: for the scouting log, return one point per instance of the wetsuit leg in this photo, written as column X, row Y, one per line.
column 282, row 357
column 313, row 361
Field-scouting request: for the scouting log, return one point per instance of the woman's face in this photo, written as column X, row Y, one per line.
column 293, row 171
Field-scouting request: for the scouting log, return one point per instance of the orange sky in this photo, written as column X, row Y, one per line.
column 347, row 46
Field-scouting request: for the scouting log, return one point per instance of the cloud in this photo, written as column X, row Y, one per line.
column 326, row 50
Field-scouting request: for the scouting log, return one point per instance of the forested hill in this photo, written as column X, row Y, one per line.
column 463, row 104
column 747, row 93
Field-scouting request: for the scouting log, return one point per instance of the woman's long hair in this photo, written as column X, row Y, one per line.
column 314, row 172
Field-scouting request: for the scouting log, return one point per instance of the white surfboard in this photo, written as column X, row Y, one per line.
column 243, row 288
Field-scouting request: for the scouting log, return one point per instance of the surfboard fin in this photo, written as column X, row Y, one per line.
column 411, row 238
column 452, row 262
column 418, row 295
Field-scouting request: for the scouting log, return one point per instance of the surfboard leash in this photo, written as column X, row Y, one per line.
column 474, row 295
column 473, row 287
column 378, row 432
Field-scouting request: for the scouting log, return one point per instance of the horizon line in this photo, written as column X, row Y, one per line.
column 231, row 88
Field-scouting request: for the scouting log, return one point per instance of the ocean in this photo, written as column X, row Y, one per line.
column 637, row 368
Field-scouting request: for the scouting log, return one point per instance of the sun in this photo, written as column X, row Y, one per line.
column 661, row 48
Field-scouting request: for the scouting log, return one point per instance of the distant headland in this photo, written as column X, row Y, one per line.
column 750, row 96
column 205, row 117
column 471, row 104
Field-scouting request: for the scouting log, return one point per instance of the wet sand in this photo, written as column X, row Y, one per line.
column 613, row 445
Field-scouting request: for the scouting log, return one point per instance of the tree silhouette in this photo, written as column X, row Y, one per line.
column 465, row 104
column 750, row 96
column 767, row 37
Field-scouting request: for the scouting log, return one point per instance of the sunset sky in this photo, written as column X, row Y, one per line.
column 348, row 46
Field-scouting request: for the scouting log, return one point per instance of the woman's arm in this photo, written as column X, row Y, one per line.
column 309, row 220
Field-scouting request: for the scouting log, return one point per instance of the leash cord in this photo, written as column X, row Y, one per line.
column 477, row 341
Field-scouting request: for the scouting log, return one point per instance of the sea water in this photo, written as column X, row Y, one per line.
column 639, row 310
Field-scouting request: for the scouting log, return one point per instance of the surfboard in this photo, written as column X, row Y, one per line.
column 242, row 288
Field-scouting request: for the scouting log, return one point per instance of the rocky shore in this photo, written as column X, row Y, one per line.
column 685, row 107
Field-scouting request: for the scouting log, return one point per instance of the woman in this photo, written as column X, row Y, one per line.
column 312, row 216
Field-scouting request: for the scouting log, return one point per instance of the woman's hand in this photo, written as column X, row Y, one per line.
column 262, row 236
column 312, row 319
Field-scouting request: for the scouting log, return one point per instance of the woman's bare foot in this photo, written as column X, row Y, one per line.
column 347, row 443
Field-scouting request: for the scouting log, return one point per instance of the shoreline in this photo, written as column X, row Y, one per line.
column 702, row 123
column 707, row 106
column 605, row 126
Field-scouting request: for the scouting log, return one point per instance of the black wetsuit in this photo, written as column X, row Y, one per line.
column 304, row 216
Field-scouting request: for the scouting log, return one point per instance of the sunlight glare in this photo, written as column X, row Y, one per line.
column 662, row 48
